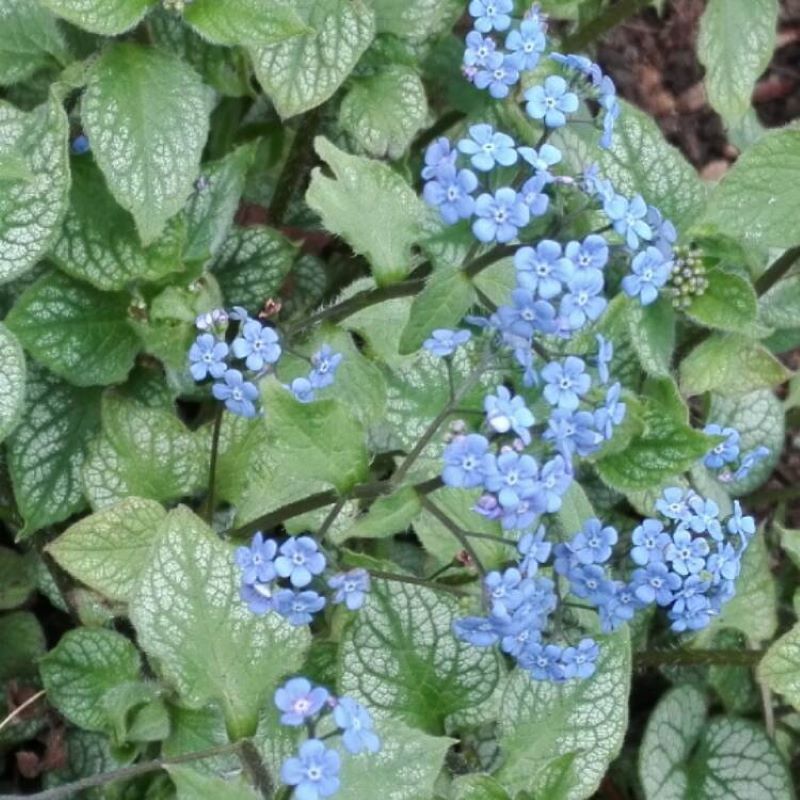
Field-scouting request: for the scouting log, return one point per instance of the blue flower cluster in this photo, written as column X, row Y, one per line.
column 314, row 771
column 726, row 458
column 276, row 578
column 257, row 348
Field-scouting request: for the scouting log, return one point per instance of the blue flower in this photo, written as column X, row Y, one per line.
column 356, row 723
column 80, row 145
column 749, row 461
column 674, row 503
column 439, row 154
column 590, row 254
column 258, row 596
column 256, row 561
column 500, row 216
column 664, row 233
column 566, row 383
column 257, row 344
column 612, row 112
column 444, row 342
column 544, row 662
column 655, row 583
column 451, row 192
column 463, row 460
column 298, row 607
column 686, row 553
column 628, row 218
column 594, row 543
column 605, row 352
column 534, row 549
column 207, row 357
column 740, row 524
column 691, row 614
column 705, row 517
column 584, row 300
column 650, row 273
column 573, row 432
column 500, row 73
column 214, row 320
column 650, row 540
column 551, row 102
column 543, row 269
column 487, row 148
column 611, row 413
column 526, row 44
column 581, row 661
column 533, row 196
column 351, row 588
column 578, row 63
column 314, row 773
column 555, row 478
column 299, row 701
column 547, row 156
column 299, row 560
column 724, row 452
column 491, row 14
column 238, row 394
column 617, row 607
column 479, row 50
column 503, row 588
column 525, row 513
column 324, row 364
column 477, row 631
column 302, row 390
column 511, row 475
column 505, row 413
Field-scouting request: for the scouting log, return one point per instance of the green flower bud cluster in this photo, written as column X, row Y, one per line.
column 688, row 277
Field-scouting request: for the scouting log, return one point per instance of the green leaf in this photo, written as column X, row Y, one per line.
column 541, row 721
column 78, row 332
column 193, row 785
column 23, row 644
column 383, row 112
column 98, row 241
column 416, row 19
column 759, row 418
column 253, row 23
column 135, row 713
column 299, row 74
column 143, row 452
column 779, row 670
column 447, row 296
column 477, row 787
column 370, row 206
column 108, row 549
column 790, row 542
column 427, row 674
column 320, row 440
column 252, row 265
column 17, row 578
column 755, row 201
column 730, row 364
column 48, row 447
column 735, row 43
column 405, row 768
column 729, row 303
column 640, row 160
column 29, row 39
column 31, row 208
column 664, row 449
column 778, row 307
column 146, row 115
column 12, row 382
column 682, row 756
column 386, row 516
column 652, row 333
column 106, row 17
column 214, row 202
column 190, row 620
column 86, row 664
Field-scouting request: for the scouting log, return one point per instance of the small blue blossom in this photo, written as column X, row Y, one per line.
column 503, row 590
column 451, row 192
column 526, row 44
column 257, row 344
column 674, row 503
column 533, row 196
column 356, row 723
column 258, row 596
column 479, row 50
column 491, row 14
column 628, row 218
column 573, row 432
column 649, row 273
column 749, row 461
column 488, row 148
column 655, row 583
column 351, row 588
column 299, row 560
column 214, row 320
column 542, row 159
column 324, row 364
column 500, row 216
column 581, row 661
column 314, row 772
column 207, row 357
column 505, row 413
column 511, row 476
column 543, row 661
column 551, row 102
column 611, row 413
column 477, row 631
column 302, row 390
column 650, row 541
column 463, row 459
column 594, row 543
column 555, row 478
column 439, row 154
column 444, row 342
column 238, row 394
column 692, row 614
column 686, row 553
column 726, row 451
column 298, row 608
column 80, row 145
column 566, row 383
column 584, row 300
column 543, row 269
column 256, row 561
column 739, row 523
column 500, row 73
column 534, row 551
column 605, row 352
column 299, row 701
column 705, row 517
column 617, row 606
column 590, row 254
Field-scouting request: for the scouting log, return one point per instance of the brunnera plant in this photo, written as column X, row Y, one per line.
column 379, row 391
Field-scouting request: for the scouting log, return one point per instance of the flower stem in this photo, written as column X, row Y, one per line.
column 412, row 579
column 451, row 526
column 212, row 467
column 256, row 769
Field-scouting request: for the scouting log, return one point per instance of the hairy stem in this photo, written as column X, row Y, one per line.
column 212, row 467
column 430, row 584
column 257, row 771
column 692, row 658
column 777, row 270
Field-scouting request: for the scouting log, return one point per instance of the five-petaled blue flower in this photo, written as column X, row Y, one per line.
column 238, row 394
column 542, row 159
column 542, row 269
column 478, row 53
column 444, row 342
column 491, row 14
column 487, row 148
column 302, row 389
column 257, row 344
column 355, row 722
column 299, row 560
column 526, row 44
column 314, row 772
column 726, row 451
column 256, row 561
column 451, row 192
column 499, row 74
column 298, row 608
column 628, row 216
column 207, row 357
column 500, row 216
column 463, row 461
column 566, row 383
column 551, row 102
column 649, row 272
column 505, row 413
column 439, row 154
column 324, row 364
column 299, row 700
column 351, row 588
